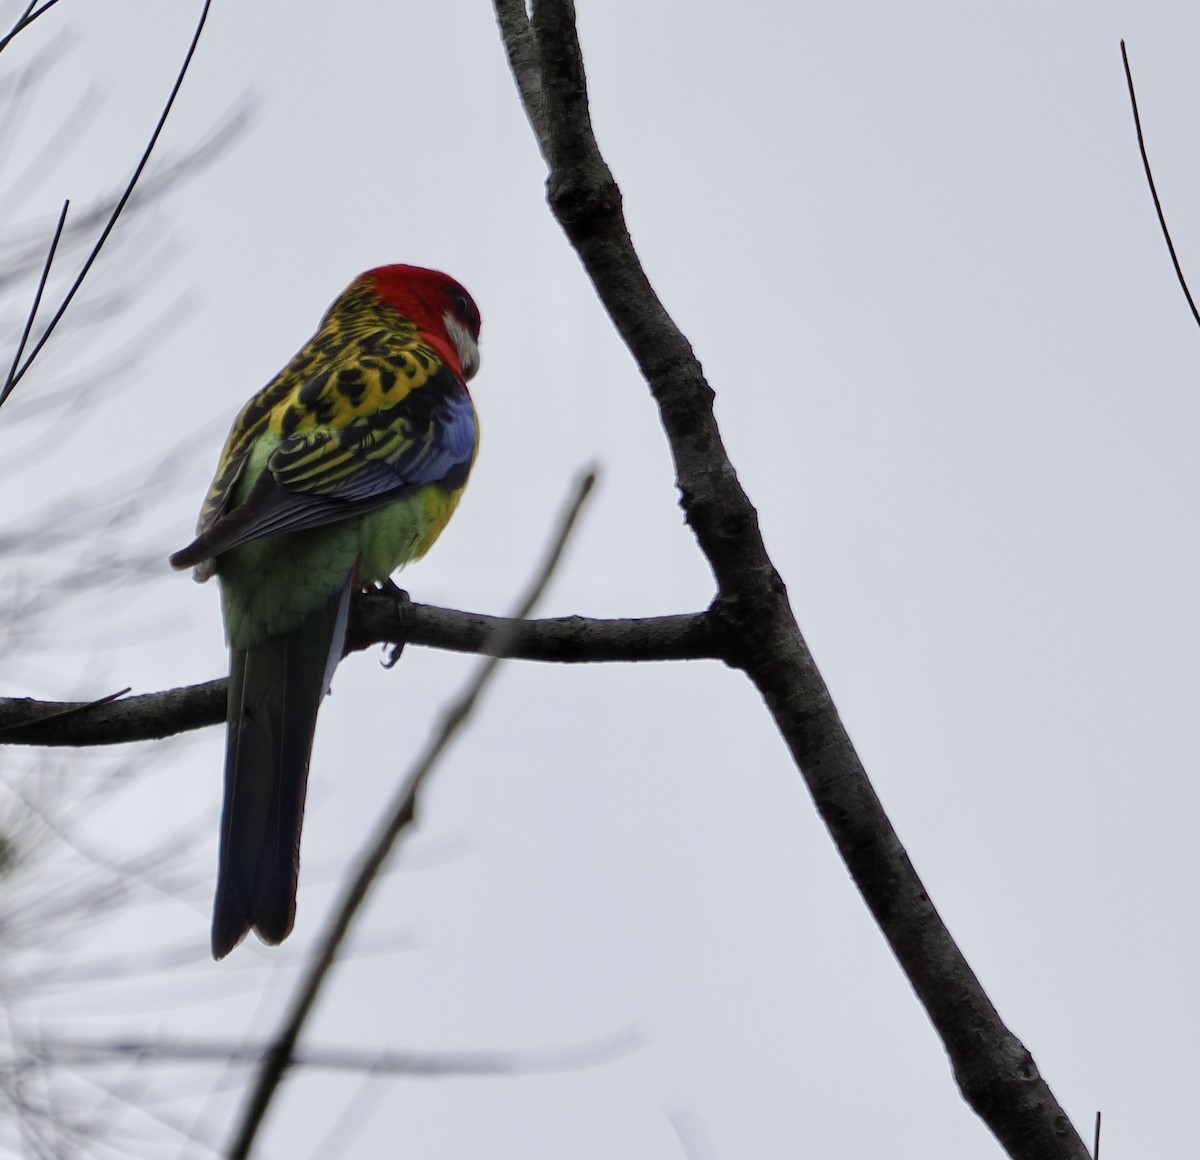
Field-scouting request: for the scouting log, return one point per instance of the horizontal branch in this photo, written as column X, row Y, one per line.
column 377, row 618
column 24, row 721
column 79, row 1053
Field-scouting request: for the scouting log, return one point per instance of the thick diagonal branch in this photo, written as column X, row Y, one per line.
column 995, row 1072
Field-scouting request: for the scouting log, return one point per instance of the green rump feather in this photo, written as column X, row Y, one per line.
column 285, row 600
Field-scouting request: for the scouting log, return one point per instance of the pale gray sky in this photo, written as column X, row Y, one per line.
column 913, row 248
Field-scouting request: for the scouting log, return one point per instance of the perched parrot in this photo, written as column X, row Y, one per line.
column 345, row 466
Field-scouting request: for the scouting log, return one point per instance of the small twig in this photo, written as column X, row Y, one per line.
column 1096, row 1137
column 693, row 1136
column 122, row 201
column 279, row 1056
column 70, row 710
column 21, row 20
column 9, row 382
column 1158, row 209
column 79, row 1054
column 146, row 717
column 26, row 19
column 22, row 248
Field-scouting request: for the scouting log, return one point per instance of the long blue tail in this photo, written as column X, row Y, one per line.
column 275, row 690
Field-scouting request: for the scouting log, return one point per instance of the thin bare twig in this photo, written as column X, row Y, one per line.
column 693, row 1136
column 400, row 815
column 1158, row 209
column 21, row 20
column 70, row 710
column 37, row 301
column 80, row 1053
column 21, row 246
column 122, row 201
column 26, row 19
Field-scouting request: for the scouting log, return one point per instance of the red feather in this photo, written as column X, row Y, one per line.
column 425, row 296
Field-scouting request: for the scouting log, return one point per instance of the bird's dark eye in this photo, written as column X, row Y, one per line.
column 465, row 308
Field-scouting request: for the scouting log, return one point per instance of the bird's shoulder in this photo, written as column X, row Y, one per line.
column 351, row 370
column 367, row 381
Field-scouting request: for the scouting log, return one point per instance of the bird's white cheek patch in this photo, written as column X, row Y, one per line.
column 465, row 344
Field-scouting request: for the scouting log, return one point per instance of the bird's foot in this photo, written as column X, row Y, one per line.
column 389, row 587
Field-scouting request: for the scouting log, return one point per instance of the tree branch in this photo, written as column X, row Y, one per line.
column 37, row 299
column 1158, row 209
column 25, row 20
column 376, row 618
column 81, row 1053
column 994, row 1071
column 16, row 374
column 521, row 47
column 380, row 619
column 147, row 717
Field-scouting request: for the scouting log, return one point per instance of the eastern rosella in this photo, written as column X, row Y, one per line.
column 341, row 469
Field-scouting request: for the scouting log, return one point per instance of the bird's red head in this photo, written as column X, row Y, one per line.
column 445, row 312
